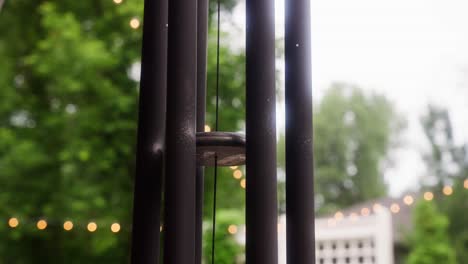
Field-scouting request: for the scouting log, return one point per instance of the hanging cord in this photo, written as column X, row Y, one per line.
column 216, row 129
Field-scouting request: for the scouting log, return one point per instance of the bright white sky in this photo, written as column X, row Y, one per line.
column 413, row 51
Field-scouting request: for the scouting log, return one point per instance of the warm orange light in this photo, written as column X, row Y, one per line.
column 232, row 229
column 428, row 196
column 447, row 190
column 408, row 199
column 68, row 225
column 207, row 128
column 13, row 222
column 41, row 224
column 134, row 23
column 365, row 211
column 115, row 227
column 395, row 208
column 243, row 183
column 92, row 226
column 118, row 2
column 237, row 174
column 339, row 216
column 465, row 184
column 377, row 208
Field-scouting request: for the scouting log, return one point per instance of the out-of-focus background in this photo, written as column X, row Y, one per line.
column 390, row 86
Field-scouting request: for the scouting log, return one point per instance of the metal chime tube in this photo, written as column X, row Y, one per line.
column 299, row 152
column 261, row 196
column 179, row 236
column 202, row 25
column 151, row 131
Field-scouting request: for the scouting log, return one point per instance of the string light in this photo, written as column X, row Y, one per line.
column 428, row 196
column 68, row 225
column 377, row 208
column 41, row 224
column 115, row 227
column 237, row 174
column 13, row 222
column 465, row 184
column 408, row 199
column 338, row 216
column 365, row 211
column 134, row 23
column 118, row 2
column 395, row 208
column 232, row 229
column 92, row 227
column 233, row 167
column 243, row 183
column 207, row 128
column 447, row 190
column 160, row 228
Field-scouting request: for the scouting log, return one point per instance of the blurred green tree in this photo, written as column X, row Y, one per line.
column 429, row 240
column 447, row 164
column 68, row 110
column 354, row 134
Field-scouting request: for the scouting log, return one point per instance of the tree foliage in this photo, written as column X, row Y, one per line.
column 68, row 111
column 354, row 133
column 447, row 164
column 429, row 241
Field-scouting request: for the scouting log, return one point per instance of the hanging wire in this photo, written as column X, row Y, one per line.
column 216, row 129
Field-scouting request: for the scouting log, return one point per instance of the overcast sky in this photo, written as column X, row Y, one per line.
column 413, row 51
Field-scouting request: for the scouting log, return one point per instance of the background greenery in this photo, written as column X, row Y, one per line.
column 68, row 102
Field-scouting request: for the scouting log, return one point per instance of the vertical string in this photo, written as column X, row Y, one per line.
column 216, row 129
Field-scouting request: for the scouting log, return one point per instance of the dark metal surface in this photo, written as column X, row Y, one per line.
column 180, row 197
column 299, row 152
column 202, row 25
column 151, row 130
column 229, row 148
column 261, row 197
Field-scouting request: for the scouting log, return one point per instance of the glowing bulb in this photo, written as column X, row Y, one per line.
column 115, row 227
column 408, row 199
column 92, row 226
column 232, row 229
column 207, row 128
column 160, row 228
column 465, row 184
column 118, row 2
column 243, row 183
column 13, row 222
column 377, row 208
column 233, row 167
column 338, row 216
column 134, row 23
column 395, row 208
column 428, row 196
column 237, row 174
column 41, row 224
column 68, row 225
column 365, row 211
column 447, row 190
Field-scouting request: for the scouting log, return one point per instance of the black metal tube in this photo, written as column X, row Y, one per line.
column 179, row 237
column 261, row 195
column 151, row 132
column 202, row 25
column 299, row 141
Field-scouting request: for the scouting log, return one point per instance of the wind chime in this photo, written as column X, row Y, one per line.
column 173, row 148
